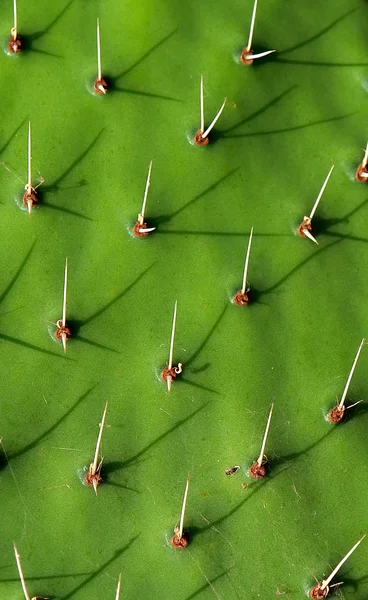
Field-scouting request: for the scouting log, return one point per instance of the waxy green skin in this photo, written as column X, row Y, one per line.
column 286, row 122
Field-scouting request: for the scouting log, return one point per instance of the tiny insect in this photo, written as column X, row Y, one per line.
column 232, row 471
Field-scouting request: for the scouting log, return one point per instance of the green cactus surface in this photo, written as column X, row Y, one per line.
column 288, row 118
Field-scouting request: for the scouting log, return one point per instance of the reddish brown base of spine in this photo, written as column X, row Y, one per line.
column 318, row 593
column 138, row 229
column 179, row 542
column 241, row 299
column 336, row 414
column 305, row 224
column 30, row 197
column 166, row 373
column 98, row 84
column 360, row 172
column 199, row 140
column 62, row 331
column 244, row 57
column 90, row 479
column 15, row 45
column 258, row 472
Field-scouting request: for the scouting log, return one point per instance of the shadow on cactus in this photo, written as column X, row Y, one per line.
column 76, row 325
column 28, row 40
column 117, row 554
column 112, row 467
column 44, row 436
column 113, row 80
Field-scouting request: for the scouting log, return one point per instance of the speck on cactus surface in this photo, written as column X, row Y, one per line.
column 288, row 118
